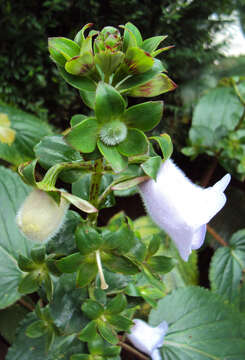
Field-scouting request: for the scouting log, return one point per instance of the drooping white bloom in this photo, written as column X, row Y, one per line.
column 148, row 339
column 40, row 217
column 182, row 208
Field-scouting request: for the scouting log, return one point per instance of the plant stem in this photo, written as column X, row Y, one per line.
column 132, row 351
column 216, row 236
column 94, row 189
column 26, row 304
column 208, row 174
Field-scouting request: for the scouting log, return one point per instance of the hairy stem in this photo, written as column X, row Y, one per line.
column 133, row 351
column 216, row 236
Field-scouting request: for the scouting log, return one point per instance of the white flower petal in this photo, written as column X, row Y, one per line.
column 182, row 208
column 147, row 338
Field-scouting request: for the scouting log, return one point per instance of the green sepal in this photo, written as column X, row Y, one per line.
column 25, row 264
column 117, row 304
column 27, row 172
column 86, row 273
column 64, row 47
column 137, row 80
column 153, row 246
column 120, row 322
column 152, row 43
column 107, row 332
column 49, row 287
column 108, row 61
column 161, row 264
column 144, row 116
column 87, row 239
column 151, row 166
column 109, row 104
column 70, row 263
column 38, row 253
column 120, row 264
column 100, row 296
column 36, row 329
column 83, row 136
column 92, row 309
column 89, row 332
column 136, row 143
column 78, row 82
column 50, row 262
column 117, row 161
column 30, row 283
column 80, row 65
column 160, row 84
column 165, row 143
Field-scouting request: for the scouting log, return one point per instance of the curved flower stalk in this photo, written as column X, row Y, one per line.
column 182, row 208
column 148, row 339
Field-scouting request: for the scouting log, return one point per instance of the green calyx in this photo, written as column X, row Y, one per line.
column 113, row 133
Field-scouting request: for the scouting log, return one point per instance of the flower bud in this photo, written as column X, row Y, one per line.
column 109, row 38
column 40, row 217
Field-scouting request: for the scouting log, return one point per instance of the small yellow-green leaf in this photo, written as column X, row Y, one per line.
column 160, row 84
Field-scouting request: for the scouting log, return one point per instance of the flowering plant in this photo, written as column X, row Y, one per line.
column 93, row 279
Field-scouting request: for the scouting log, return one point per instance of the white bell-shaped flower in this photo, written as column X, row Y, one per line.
column 182, row 208
column 148, row 339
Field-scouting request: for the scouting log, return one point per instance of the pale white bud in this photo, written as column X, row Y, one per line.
column 40, row 217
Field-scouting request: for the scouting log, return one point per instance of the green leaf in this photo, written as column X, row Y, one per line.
column 160, row 84
column 36, row 329
column 65, row 308
column 80, row 65
column 199, row 326
column 228, row 267
column 92, row 309
column 151, row 166
column 9, row 320
column 116, row 239
column 25, row 264
column 27, row 172
column 140, row 79
column 117, row 304
column 70, row 263
column 29, row 131
column 88, row 239
column 117, row 161
column 12, row 243
column 133, row 29
column 161, row 264
column 80, row 357
column 64, row 241
column 107, row 332
column 76, row 119
column 109, row 104
column 89, row 332
column 25, row 348
column 128, row 184
column 120, row 265
column 135, row 143
column 52, row 150
column 30, row 283
column 86, row 273
column 88, row 97
column 66, row 47
column 221, row 107
column 144, row 116
column 165, row 143
column 154, row 246
column 120, row 322
column 137, row 61
column 83, row 136
column 152, row 43
column 78, row 82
